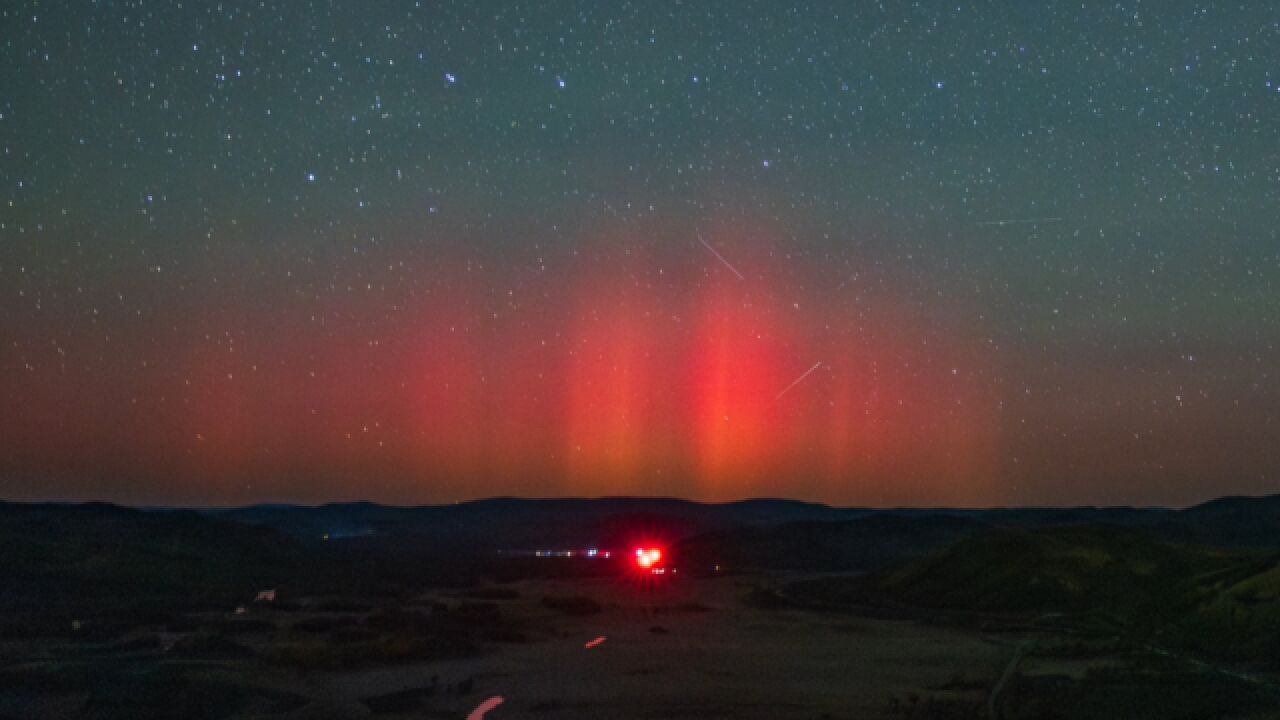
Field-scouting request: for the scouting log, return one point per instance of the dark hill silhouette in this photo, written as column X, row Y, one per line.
column 1240, row 521
column 507, row 523
column 111, row 567
column 866, row 543
column 527, row 523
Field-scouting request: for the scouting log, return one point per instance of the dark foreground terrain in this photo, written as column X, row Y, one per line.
column 766, row 609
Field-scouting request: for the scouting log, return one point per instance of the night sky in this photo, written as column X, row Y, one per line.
column 858, row 253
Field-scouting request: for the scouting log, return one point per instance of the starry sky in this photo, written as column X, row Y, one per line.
column 898, row 253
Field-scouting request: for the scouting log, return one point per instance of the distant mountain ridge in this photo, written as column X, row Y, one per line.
column 527, row 522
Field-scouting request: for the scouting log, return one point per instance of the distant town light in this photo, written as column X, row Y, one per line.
column 648, row 557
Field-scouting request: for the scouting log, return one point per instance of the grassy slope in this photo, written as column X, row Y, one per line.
column 1222, row 602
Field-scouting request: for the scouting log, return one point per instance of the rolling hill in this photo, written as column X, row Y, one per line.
column 1108, row 580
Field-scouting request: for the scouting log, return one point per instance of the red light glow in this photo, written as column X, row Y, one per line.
column 648, row 557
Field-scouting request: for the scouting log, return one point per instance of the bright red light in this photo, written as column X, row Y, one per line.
column 648, row 557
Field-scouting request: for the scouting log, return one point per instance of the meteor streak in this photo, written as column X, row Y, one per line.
column 798, row 380
column 721, row 258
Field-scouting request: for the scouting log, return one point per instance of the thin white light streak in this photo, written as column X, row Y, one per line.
column 720, row 257
column 798, row 380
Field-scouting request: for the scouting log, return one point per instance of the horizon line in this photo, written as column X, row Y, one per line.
column 635, row 498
